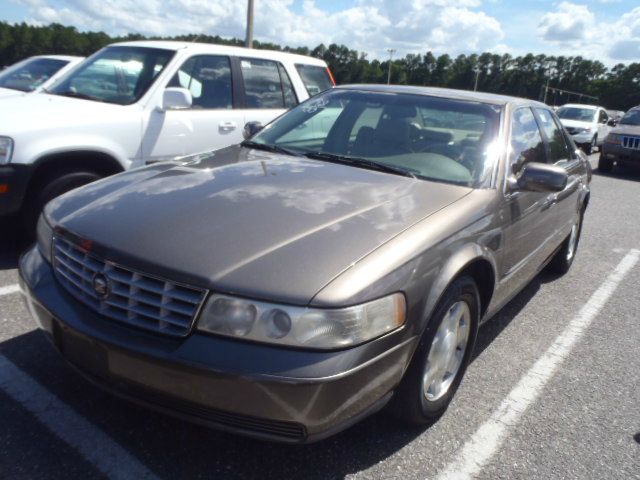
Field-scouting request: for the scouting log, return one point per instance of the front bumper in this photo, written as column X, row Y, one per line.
column 258, row 390
column 620, row 153
column 583, row 138
column 13, row 185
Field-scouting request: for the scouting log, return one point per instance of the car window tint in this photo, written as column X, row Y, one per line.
column 208, row 78
column 290, row 99
column 262, row 84
column 557, row 147
column 603, row 117
column 526, row 140
column 316, row 79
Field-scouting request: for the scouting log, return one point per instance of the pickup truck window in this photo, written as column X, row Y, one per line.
column 263, row 84
column 208, row 78
column 119, row 75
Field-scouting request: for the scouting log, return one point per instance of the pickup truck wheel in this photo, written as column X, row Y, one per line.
column 605, row 165
column 563, row 259
column 47, row 192
column 442, row 356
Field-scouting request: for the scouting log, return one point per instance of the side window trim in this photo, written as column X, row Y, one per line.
column 282, row 69
column 237, row 84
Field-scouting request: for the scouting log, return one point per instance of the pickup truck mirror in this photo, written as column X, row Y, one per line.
column 540, row 177
column 251, row 128
column 175, row 98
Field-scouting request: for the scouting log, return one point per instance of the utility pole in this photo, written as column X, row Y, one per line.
column 475, row 85
column 391, row 52
column 249, row 40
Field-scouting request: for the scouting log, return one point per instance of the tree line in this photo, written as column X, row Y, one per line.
column 527, row 75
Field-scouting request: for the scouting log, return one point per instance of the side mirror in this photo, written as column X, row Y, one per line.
column 251, row 128
column 175, row 98
column 540, row 177
column 612, row 122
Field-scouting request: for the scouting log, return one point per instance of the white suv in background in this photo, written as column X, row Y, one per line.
column 135, row 103
column 587, row 124
column 34, row 73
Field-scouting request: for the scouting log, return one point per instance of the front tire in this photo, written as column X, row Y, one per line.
column 48, row 191
column 590, row 147
column 442, row 356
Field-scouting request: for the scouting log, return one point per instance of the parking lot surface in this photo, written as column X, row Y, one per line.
column 552, row 391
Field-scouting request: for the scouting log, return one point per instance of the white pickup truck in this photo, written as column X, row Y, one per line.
column 135, row 103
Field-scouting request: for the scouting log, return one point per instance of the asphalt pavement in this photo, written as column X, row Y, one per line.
column 582, row 420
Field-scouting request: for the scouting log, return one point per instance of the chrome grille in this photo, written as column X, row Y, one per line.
column 631, row 142
column 133, row 298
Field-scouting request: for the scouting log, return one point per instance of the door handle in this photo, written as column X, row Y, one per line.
column 227, row 126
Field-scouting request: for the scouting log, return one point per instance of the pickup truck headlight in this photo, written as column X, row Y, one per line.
column 315, row 328
column 6, row 150
column 44, row 234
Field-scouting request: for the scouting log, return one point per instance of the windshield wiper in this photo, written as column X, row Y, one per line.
column 83, row 96
column 362, row 163
column 268, row 148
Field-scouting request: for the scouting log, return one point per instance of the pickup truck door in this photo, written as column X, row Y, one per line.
column 215, row 119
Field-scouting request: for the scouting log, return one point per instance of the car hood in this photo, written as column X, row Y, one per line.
column 626, row 129
column 27, row 112
column 248, row 222
column 575, row 123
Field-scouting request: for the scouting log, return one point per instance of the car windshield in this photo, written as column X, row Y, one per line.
column 414, row 135
column 632, row 117
column 576, row 113
column 118, row 75
column 28, row 75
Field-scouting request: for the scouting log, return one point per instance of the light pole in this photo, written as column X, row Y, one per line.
column 249, row 39
column 475, row 85
column 391, row 52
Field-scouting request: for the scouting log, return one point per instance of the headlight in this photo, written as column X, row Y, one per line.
column 44, row 233
column 299, row 326
column 613, row 138
column 6, row 150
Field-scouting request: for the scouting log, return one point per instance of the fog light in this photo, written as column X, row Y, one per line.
column 231, row 316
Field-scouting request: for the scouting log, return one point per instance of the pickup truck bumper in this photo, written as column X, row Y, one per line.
column 13, row 185
column 618, row 153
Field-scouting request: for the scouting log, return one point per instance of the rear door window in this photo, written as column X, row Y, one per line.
column 558, row 149
column 526, row 140
column 208, row 78
column 266, row 84
column 316, row 79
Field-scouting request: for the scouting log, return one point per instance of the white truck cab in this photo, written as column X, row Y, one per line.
column 587, row 124
column 34, row 73
column 135, row 103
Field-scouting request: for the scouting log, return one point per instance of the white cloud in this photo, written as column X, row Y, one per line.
column 569, row 23
column 371, row 26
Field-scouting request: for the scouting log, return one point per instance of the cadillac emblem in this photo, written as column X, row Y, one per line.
column 101, row 286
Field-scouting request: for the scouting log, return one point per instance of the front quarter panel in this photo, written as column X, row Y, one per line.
column 422, row 261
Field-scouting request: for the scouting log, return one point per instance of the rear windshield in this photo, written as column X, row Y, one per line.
column 30, row 74
column 576, row 113
column 316, row 79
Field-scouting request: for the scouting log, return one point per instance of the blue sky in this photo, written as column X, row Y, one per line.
column 608, row 30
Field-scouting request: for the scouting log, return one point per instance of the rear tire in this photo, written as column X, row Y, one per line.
column 605, row 165
column 442, row 356
column 48, row 191
column 563, row 259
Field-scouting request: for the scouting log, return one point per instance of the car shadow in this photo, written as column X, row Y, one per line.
column 12, row 243
column 621, row 172
column 195, row 449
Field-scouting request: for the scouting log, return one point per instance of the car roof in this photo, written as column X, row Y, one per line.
column 451, row 93
column 582, row 105
column 212, row 48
